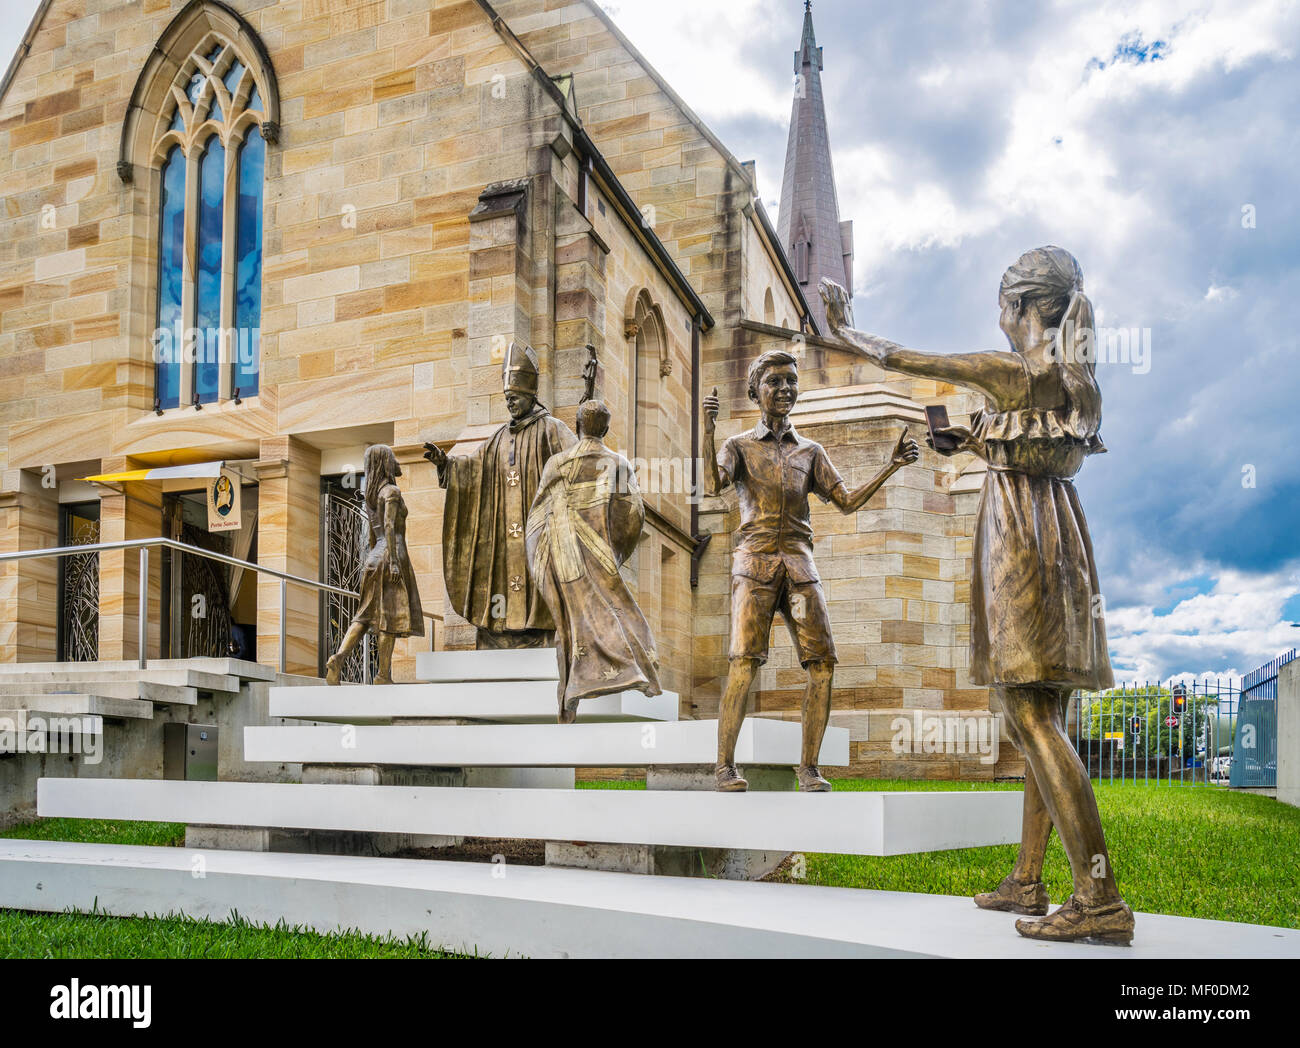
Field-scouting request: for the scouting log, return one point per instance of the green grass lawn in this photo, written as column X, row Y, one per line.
column 72, row 935
column 1192, row 852
column 68, row 935
column 100, row 831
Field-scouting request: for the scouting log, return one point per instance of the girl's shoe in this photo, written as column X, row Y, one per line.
column 1110, row 924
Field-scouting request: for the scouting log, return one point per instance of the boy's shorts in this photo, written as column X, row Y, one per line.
column 754, row 605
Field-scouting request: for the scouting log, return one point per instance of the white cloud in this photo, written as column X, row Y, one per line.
column 1226, row 632
column 698, row 47
column 905, row 216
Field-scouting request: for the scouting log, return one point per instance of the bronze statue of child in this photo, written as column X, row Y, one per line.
column 390, row 601
column 1036, row 626
column 774, row 471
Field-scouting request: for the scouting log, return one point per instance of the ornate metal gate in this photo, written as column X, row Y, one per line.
column 343, row 552
column 79, row 590
column 205, row 597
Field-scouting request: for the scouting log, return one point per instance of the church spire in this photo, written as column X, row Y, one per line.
column 808, row 49
column 816, row 241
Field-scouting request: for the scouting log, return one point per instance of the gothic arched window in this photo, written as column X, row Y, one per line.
column 203, row 110
column 648, row 367
column 213, row 139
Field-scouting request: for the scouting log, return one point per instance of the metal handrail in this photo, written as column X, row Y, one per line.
column 144, row 545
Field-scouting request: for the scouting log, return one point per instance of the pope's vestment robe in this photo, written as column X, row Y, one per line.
column 585, row 522
column 489, row 492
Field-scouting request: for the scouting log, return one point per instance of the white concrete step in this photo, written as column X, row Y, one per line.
column 25, row 674
column 148, row 691
column 510, row 664
column 500, row 911
column 241, row 668
column 848, row 823
column 509, row 702
column 220, row 667
column 80, row 703
column 761, row 742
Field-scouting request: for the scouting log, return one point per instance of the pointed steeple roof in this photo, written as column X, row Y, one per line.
column 809, row 225
column 808, row 50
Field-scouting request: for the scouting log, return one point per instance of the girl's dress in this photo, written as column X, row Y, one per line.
column 389, row 605
column 1036, row 611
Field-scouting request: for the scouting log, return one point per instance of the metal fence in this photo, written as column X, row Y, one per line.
column 1255, row 752
column 1177, row 734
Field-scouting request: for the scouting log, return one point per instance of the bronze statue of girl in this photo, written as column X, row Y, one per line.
column 390, row 601
column 1037, row 631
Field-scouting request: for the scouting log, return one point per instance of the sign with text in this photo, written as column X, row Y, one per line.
column 223, row 502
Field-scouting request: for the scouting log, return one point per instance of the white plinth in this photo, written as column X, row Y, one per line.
column 761, row 742
column 549, row 912
column 848, row 823
column 506, row 702
column 510, row 664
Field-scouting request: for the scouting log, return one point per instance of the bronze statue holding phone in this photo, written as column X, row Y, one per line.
column 1037, row 630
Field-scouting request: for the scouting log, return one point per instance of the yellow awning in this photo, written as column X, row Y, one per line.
column 199, row 470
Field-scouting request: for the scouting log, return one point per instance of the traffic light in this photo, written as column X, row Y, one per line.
column 1180, row 698
column 1135, row 725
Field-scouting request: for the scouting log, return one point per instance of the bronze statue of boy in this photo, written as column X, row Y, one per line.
column 774, row 470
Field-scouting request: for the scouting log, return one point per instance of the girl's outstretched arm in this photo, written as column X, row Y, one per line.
column 999, row 374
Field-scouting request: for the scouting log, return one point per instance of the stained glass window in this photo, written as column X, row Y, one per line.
column 248, row 264
column 218, row 362
column 212, row 188
column 169, row 338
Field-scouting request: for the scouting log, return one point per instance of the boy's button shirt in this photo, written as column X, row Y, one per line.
column 774, row 474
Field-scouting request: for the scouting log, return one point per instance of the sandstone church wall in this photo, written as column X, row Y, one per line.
column 422, row 209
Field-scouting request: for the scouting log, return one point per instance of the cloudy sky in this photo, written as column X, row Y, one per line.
column 1155, row 140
